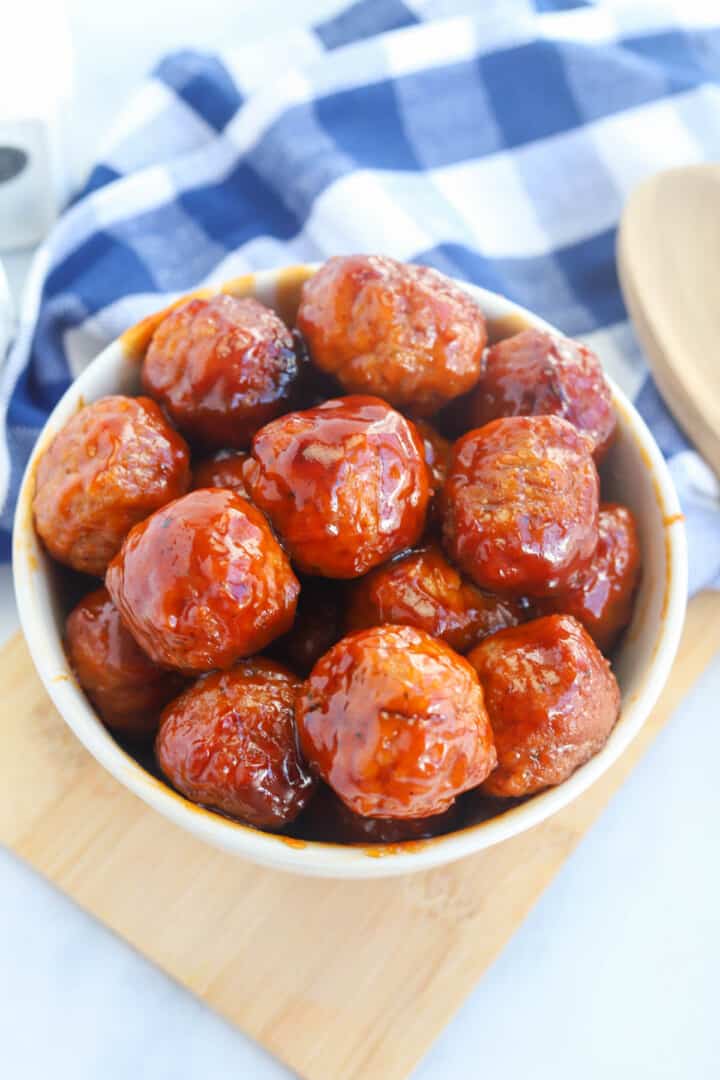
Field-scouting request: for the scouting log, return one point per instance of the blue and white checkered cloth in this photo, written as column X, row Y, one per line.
column 496, row 141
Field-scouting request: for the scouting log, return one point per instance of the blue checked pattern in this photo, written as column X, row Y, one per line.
column 494, row 141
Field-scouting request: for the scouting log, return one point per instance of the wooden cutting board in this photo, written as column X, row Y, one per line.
column 338, row 979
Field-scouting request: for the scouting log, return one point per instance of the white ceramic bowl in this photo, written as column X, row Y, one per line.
column 635, row 474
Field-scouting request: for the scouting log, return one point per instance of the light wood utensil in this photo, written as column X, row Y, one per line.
column 669, row 265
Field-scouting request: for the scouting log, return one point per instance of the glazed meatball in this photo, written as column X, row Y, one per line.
column 229, row 742
column 405, row 333
column 224, row 470
column 394, row 722
column 345, row 485
column 602, row 598
column 422, row 589
column 521, row 505
column 536, row 373
column 128, row 690
column 112, row 464
column 203, row 582
column 222, row 368
column 328, row 818
column 318, row 625
column 552, row 701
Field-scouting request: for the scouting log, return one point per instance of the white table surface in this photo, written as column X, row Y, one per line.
column 614, row 971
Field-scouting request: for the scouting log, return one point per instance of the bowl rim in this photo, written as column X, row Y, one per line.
column 316, row 857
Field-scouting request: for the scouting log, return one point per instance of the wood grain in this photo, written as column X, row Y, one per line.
column 338, row 979
column 669, row 272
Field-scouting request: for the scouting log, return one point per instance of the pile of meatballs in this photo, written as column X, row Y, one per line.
column 358, row 583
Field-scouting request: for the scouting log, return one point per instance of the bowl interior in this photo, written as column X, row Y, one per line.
column 634, row 473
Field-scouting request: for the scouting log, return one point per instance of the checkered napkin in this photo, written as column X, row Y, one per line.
column 496, row 141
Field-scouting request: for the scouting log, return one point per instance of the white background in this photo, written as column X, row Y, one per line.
column 614, row 972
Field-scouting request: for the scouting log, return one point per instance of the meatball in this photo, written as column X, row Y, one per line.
column 128, row 690
column 422, row 589
column 229, row 742
column 203, row 582
column 345, row 484
column 318, row 625
column 521, row 505
column 405, row 333
column 552, row 701
column 224, row 470
column 112, row 464
column 602, row 597
column 328, row 818
column 394, row 722
column 222, row 368
column 536, row 373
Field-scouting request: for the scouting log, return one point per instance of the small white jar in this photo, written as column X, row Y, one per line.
column 35, row 83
